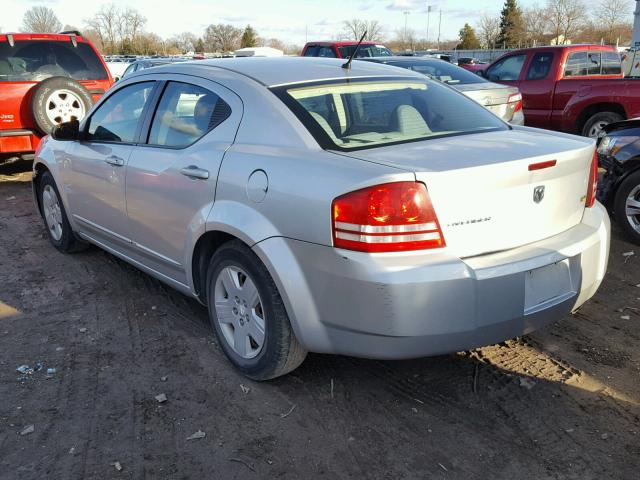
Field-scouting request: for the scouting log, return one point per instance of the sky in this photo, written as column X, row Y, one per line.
column 292, row 21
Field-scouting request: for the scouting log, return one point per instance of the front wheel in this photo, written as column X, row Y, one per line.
column 248, row 315
column 627, row 207
column 595, row 124
column 55, row 217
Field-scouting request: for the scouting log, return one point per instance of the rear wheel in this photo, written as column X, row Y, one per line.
column 58, row 100
column 595, row 124
column 627, row 207
column 55, row 217
column 248, row 316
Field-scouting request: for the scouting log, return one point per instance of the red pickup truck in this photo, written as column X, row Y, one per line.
column 571, row 88
column 344, row 49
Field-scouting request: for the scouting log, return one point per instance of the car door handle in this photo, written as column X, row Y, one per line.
column 195, row 172
column 114, row 160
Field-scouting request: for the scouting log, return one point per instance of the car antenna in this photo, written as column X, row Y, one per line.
column 347, row 66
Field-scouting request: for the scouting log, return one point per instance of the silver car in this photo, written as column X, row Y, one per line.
column 367, row 211
column 503, row 100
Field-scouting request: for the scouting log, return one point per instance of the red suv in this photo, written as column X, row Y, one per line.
column 344, row 49
column 45, row 79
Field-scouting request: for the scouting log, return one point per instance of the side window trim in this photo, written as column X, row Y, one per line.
column 145, row 127
column 136, row 137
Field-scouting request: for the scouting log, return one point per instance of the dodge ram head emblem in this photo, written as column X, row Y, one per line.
column 538, row 194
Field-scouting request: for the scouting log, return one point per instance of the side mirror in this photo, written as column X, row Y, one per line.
column 67, row 131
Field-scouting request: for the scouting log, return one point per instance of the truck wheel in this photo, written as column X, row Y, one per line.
column 248, row 316
column 57, row 100
column 594, row 125
column 627, row 207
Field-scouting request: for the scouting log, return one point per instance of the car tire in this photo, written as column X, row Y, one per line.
column 55, row 217
column 594, row 124
column 233, row 270
column 628, row 190
column 57, row 100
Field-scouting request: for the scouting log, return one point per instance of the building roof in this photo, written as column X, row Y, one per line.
column 289, row 70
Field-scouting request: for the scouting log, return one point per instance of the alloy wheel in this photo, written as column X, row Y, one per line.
column 63, row 106
column 632, row 208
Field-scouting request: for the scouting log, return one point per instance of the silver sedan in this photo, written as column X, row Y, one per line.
column 365, row 211
column 503, row 100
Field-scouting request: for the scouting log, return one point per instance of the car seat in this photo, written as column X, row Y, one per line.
column 408, row 121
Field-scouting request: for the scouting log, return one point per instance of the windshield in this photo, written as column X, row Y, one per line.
column 366, row 114
column 365, row 51
column 37, row 60
column 441, row 70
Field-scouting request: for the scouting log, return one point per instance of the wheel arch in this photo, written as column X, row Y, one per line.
column 592, row 109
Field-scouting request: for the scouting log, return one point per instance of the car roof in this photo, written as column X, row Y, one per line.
column 399, row 58
column 291, row 70
column 575, row 46
column 59, row 37
column 341, row 43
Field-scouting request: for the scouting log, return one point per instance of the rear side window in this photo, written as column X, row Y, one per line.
column 365, row 51
column 116, row 120
column 37, row 60
column 369, row 113
column 540, row 66
column 593, row 63
column 507, row 69
column 185, row 114
column 611, row 63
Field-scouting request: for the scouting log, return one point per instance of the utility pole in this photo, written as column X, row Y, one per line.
column 406, row 16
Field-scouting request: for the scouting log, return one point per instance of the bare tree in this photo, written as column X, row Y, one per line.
column 355, row 28
column 41, row 20
column 131, row 23
column 566, row 18
column 614, row 18
column 222, row 38
column 185, row 41
column 536, row 23
column 106, row 24
column 489, row 30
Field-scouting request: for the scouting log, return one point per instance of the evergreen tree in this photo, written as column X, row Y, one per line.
column 199, row 46
column 512, row 29
column 249, row 38
column 468, row 38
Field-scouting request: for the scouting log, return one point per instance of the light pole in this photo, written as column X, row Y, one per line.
column 406, row 16
column 429, row 7
column 635, row 38
column 439, row 26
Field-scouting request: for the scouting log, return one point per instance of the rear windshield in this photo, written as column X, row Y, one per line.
column 365, row 51
column 441, row 70
column 367, row 114
column 37, row 60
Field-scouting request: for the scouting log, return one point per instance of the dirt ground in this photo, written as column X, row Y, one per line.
column 563, row 403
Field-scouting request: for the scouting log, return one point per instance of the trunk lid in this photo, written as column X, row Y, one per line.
column 492, row 96
column 483, row 191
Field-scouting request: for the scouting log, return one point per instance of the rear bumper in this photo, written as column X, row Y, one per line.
column 18, row 141
column 411, row 305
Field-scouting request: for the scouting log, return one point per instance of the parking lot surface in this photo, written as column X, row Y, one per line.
column 562, row 403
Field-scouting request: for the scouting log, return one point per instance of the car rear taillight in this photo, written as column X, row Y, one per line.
column 515, row 99
column 592, row 187
column 391, row 217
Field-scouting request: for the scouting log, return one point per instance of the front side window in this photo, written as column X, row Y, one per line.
column 311, row 51
column 185, row 114
column 326, row 52
column 366, row 114
column 507, row 69
column 540, row 66
column 116, row 120
column 37, row 60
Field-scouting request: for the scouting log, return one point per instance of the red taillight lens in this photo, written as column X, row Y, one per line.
column 391, row 217
column 515, row 98
column 592, row 187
